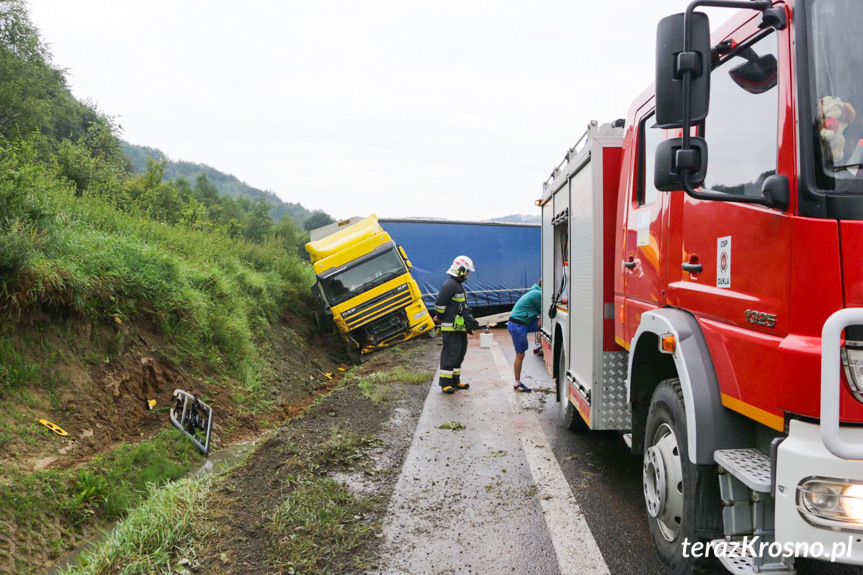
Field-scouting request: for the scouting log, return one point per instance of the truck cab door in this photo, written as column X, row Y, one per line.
column 729, row 263
column 643, row 268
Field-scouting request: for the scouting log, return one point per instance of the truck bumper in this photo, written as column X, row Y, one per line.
column 802, row 456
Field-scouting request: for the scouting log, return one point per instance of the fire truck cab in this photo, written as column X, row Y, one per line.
column 710, row 306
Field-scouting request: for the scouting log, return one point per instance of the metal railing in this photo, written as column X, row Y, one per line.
column 831, row 382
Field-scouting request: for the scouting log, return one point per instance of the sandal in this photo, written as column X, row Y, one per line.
column 521, row 387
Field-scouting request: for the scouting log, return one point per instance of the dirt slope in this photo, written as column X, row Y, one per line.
column 94, row 382
column 346, row 437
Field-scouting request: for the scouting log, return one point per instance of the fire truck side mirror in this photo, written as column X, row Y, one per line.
column 671, row 161
column 673, row 64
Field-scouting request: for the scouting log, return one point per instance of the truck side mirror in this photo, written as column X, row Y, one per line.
column 405, row 258
column 672, row 63
column 671, row 161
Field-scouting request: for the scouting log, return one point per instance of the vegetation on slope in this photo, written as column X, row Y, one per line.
column 226, row 184
column 116, row 287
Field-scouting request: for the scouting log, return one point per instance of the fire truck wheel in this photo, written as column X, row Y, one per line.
column 669, row 480
column 569, row 416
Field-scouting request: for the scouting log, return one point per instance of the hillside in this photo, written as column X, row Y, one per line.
column 227, row 184
column 519, row 219
column 116, row 289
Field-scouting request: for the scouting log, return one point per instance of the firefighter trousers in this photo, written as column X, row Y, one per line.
column 451, row 356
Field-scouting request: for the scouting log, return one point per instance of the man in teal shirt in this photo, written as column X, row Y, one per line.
column 524, row 319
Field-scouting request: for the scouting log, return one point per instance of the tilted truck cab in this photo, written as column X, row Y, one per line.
column 716, row 249
column 364, row 286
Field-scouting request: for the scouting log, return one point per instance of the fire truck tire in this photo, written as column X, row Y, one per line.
column 570, row 418
column 669, row 481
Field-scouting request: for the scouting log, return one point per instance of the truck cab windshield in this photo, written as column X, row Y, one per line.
column 363, row 276
column 836, row 58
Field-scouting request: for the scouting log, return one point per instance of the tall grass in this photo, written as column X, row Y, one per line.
column 152, row 539
column 213, row 295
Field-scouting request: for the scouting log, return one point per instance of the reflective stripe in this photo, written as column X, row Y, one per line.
column 446, row 372
column 450, row 328
column 456, row 372
column 458, row 298
column 446, row 324
column 439, row 309
column 445, row 376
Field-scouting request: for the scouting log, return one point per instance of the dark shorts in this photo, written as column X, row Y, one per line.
column 519, row 332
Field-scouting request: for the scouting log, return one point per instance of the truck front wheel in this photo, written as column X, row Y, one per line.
column 669, row 480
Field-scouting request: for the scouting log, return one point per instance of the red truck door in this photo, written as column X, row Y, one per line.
column 729, row 263
column 644, row 273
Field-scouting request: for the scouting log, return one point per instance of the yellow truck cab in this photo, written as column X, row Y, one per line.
column 364, row 286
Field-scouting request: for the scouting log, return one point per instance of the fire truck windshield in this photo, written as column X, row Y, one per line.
column 363, row 276
column 836, row 59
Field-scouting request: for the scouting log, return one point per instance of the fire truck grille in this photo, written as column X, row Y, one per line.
column 378, row 307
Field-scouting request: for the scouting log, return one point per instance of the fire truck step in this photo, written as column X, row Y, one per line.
column 743, row 564
column 748, row 465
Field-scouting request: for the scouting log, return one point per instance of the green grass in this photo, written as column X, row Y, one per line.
column 214, row 296
column 156, row 537
column 319, row 520
column 344, row 448
column 100, row 492
column 376, row 386
column 452, row 426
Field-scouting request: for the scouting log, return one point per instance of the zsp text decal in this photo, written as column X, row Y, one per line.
column 723, row 262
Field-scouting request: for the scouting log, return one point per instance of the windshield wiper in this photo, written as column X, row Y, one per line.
column 847, row 166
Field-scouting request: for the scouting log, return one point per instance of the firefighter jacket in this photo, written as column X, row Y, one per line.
column 452, row 309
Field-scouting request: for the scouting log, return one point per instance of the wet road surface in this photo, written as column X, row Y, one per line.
column 514, row 492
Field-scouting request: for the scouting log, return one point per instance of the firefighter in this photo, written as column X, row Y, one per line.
column 456, row 321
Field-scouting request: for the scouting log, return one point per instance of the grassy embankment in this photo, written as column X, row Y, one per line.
column 319, row 521
column 68, row 261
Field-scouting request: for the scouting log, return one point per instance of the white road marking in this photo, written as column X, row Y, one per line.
column 574, row 544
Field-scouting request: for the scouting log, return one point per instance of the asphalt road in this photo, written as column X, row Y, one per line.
column 606, row 482
column 492, row 483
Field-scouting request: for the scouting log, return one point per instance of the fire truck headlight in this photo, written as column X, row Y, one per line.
column 852, row 359
column 831, row 502
column 852, row 502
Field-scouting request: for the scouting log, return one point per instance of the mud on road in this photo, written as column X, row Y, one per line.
column 348, row 446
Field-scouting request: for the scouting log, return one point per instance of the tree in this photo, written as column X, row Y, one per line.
column 206, row 190
column 319, row 218
column 260, row 224
column 287, row 233
column 195, row 215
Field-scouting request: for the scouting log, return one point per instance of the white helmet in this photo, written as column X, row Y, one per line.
column 460, row 266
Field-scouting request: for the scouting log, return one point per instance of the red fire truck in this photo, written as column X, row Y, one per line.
column 715, row 314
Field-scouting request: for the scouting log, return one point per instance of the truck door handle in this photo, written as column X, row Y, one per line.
column 691, row 268
column 630, row 265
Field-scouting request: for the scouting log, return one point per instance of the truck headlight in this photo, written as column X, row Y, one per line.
column 831, row 502
column 852, row 359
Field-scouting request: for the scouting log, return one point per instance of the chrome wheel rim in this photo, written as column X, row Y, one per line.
column 662, row 480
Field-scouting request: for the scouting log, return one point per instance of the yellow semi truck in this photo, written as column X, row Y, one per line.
column 364, row 286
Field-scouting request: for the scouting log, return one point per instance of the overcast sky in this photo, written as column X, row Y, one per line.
column 452, row 109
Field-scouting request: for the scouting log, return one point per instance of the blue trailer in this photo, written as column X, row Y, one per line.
column 506, row 257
